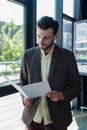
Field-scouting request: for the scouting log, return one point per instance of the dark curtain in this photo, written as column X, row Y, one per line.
column 83, row 9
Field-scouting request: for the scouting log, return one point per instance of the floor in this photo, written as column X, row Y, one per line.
column 10, row 112
column 10, row 115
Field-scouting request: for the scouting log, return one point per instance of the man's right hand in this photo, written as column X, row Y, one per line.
column 27, row 101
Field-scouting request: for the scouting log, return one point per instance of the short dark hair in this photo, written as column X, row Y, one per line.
column 48, row 22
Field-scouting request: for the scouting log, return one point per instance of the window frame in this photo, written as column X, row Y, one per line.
column 68, row 18
column 29, row 31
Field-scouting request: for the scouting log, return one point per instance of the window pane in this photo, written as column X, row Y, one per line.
column 67, row 34
column 45, row 7
column 80, row 40
column 11, row 39
column 68, row 7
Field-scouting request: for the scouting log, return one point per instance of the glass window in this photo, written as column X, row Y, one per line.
column 45, row 7
column 68, row 7
column 11, row 39
column 67, row 34
column 80, row 40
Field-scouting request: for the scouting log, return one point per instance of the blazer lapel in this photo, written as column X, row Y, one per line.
column 55, row 59
column 37, row 63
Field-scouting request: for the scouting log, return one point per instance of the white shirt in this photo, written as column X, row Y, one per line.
column 42, row 110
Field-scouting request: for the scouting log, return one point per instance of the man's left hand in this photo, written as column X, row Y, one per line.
column 55, row 95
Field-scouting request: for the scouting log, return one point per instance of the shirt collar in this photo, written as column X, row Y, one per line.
column 51, row 51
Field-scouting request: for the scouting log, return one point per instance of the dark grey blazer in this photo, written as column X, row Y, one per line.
column 63, row 76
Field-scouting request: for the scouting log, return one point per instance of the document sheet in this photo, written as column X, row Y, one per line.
column 32, row 90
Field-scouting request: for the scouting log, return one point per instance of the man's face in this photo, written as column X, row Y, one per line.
column 45, row 38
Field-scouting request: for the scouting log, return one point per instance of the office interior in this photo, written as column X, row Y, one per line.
column 72, row 35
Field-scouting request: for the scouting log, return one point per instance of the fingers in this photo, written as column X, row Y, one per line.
column 27, row 101
column 55, row 95
column 52, row 95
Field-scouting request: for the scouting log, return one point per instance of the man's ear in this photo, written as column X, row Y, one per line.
column 56, row 36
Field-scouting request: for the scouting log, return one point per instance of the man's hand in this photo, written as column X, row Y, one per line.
column 27, row 101
column 55, row 95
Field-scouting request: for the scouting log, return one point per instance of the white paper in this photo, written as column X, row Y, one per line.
column 32, row 90
column 36, row 89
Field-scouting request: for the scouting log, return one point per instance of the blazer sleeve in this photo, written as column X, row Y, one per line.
column 74, row 81
column 23, row 72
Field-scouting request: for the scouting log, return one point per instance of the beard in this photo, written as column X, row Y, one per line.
column 49, row 46
column 45, row 48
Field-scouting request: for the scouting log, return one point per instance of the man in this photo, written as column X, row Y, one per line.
column 57, row 65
